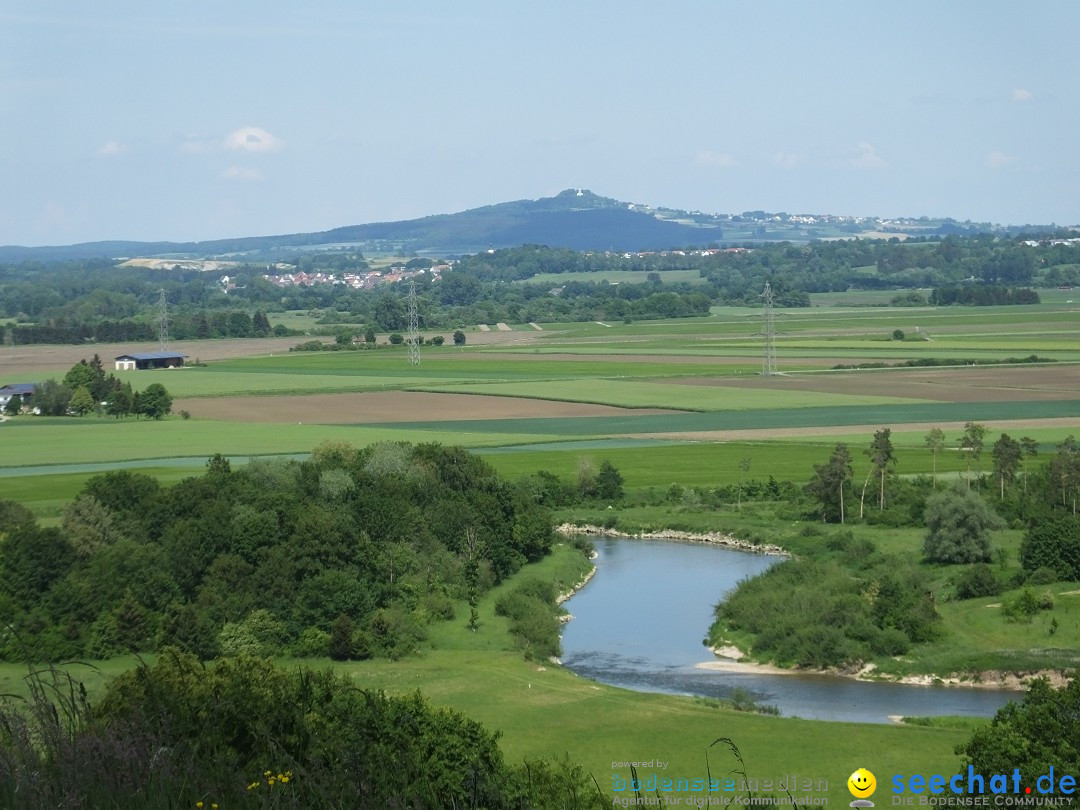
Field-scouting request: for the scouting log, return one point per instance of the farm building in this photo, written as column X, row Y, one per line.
column 144, row 360
column 22, row 390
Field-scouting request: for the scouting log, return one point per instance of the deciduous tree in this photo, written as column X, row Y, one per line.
column 155, row 401
column 971, row 444
column 935, row 440
column 958, row 526
column 1007, row 454
column 1037, row 736
column 829, row 483
column 82, row 402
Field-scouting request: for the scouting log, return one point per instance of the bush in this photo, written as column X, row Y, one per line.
column 848, row 546
column 1053, row 544
column 1025, row 605
column 979, row 580
column 815, row 613
column 534, row 618
column 396, row 339
column 175, row 734
column 1042, row 576
column 312, row 643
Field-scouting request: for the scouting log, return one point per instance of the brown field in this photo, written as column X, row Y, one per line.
column 388, row 406
column 973, row 384
column 18, row 361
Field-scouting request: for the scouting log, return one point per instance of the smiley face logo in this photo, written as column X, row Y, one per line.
column 862, row 784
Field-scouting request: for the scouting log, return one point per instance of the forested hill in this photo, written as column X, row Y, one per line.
column 575, row 218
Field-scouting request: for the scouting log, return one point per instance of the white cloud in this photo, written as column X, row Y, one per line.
column 1021, row 95
column 243, row 173
column 111, row 149
column 786, row 160
column 707, row 157
column 253, row 139
column 999, row 160
column 866, row 157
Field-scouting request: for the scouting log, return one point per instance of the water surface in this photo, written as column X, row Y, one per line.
column 640, row 623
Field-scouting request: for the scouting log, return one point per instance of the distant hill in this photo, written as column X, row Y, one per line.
column 574, row 218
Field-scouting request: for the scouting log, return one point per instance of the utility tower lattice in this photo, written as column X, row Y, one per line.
column 768, row 331
column 413, row 338
column 163, row 321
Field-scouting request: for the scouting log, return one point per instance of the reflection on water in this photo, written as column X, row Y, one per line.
column 640, row 624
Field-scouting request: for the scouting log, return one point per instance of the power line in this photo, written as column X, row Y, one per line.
column 768, row 331
column 163, row 320
column 413, row 338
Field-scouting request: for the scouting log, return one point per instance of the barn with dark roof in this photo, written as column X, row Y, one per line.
column 145, row 360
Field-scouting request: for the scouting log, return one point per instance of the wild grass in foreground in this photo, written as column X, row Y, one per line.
column 242, row 733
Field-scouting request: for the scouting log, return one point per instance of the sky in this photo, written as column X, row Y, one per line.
column 203, row 119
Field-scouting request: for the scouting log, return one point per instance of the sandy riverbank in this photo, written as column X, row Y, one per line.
column 714, row 538
column 732, row 659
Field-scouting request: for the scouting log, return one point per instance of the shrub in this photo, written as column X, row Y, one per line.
column 1025, row 605
column 534, row 618
column 1042, row 576
column 312, row 643
column 1053, row 544
column 176, row 733
column 979, row 580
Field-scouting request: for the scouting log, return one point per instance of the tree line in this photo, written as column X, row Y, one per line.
column 199, row 325
column 67, row 302
column 352, row 552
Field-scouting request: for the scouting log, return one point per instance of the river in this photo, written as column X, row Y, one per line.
column 641, row 621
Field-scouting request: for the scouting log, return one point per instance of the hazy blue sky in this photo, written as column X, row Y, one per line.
column 200, row 119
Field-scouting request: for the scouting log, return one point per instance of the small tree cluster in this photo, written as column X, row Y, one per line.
column 86, row 388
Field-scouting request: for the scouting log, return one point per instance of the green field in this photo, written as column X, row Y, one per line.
column 628, row 394
column 628, row 365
